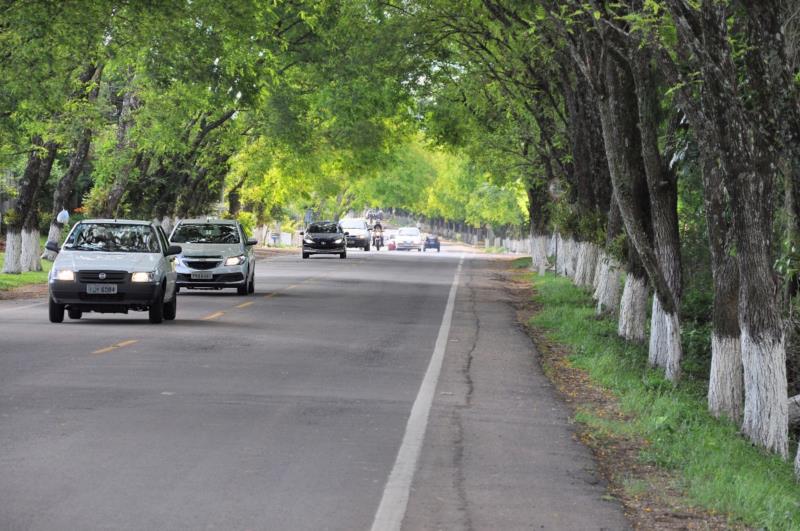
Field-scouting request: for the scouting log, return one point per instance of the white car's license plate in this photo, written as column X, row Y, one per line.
column 202, row 275
column 101, row 289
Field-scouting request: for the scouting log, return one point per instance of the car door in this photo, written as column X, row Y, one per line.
column 167, row 264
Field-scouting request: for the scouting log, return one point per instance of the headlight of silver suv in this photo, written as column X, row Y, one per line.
column 143, row 276
column 308, row 240
column 235, row 260
column 338, row 240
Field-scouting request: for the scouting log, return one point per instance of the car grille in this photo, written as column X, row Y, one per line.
column 225, row 277
column 202, row 264
column 114, row 277
column 116, row 297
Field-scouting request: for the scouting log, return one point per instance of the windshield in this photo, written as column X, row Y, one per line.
column 323, row 228
column 205, row 233
column 353, row 224
column 113, row 238
column 409, row 232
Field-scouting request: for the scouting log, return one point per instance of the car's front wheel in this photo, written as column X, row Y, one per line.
column 74, row 313
column 343, row 255
column 251, row 288
column 56, row 312
column 156, row 312
column 171, row 308
column 305, row 256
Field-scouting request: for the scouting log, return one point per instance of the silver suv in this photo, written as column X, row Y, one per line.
column 216, row 254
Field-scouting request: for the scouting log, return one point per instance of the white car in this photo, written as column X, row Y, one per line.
column 408, row 238
column 358, row 234
column 113, row 266
column 216, row 254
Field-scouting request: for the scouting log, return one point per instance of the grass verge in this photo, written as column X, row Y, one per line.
column 713, row 466
column 23, row 279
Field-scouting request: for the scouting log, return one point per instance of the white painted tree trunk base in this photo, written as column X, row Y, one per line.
column 725, row 384
column 53, row 235
column 665, row 341
column 29, row 256
column 586, row 265
column 766, row 411
column 13, row 251
column 608, row 287
column 633, row 309
column 598, row 272
column 539, row 254
column 570, row 257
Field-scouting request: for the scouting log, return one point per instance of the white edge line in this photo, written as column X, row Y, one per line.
column 392, row 508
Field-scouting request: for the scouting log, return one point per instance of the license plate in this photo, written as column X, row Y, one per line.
column 202, row 275
column 101, row 289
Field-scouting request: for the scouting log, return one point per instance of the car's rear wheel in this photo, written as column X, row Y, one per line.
column 156, row 312
column 74, row 313
column 56, row 312
column 342, row 255
column 171, row 308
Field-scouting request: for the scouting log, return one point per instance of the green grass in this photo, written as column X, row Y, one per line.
column 23, row 279
column 719, row 470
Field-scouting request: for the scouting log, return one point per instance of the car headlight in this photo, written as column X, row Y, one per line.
column 143, row 276
column 65, row 275
column 337, row 240
column 308, row 240
column 234, row 260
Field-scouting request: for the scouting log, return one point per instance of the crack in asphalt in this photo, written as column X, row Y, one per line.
column 458, row 443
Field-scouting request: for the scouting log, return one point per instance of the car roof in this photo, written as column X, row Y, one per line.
column 117, row 221
column 207, row 221
column 409, row 227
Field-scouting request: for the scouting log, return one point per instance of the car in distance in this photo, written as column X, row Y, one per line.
column 408, row 238
column 324, row 237
column 431, row 242
column 113, row 266
column 216, row 254
column 358, row 234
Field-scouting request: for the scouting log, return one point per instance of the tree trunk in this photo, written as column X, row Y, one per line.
column 633, row 308
column 66, row 184
column 665, row 345
column 24, row 224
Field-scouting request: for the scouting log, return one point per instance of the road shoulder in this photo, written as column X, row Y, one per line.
column 501, row 452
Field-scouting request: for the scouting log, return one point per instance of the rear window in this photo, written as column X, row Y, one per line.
column 409, row 232
column 113, row 238
column 205, row 233
column 353, row 224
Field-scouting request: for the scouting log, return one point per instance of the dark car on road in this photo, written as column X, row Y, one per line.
column 431, row 242
column 324, row 237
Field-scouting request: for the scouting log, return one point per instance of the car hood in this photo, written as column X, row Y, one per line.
column 210, row 249
column 93, row 260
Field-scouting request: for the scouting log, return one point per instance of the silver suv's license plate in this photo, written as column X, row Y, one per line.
column 202, row 275
column 101, row 289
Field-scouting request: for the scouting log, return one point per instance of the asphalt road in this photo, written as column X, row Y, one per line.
column 287, row 409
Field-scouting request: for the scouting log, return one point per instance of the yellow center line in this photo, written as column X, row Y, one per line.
column 115, row 346
column 245, row 304
column 213, row 316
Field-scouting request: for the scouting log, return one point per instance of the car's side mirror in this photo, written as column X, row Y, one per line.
column 52, row 246
column 302, row 233
column 251, row 241
column 173, row 250
column 347, row 234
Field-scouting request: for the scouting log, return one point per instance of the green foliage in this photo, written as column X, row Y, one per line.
column 719, row 470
